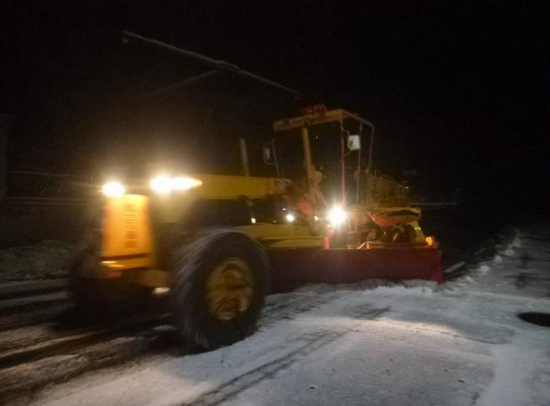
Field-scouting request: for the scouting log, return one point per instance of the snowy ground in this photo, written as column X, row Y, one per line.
column 460, row 344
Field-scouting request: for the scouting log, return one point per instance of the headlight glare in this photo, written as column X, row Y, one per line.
column 337, row 216
column 113, row 189
column 165, row 184
column 184, row 183
column 161, row 184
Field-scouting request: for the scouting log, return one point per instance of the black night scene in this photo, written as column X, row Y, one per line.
column 191, row 190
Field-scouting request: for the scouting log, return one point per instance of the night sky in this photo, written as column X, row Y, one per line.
column 459, row 91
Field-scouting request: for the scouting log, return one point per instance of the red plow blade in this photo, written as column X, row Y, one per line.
column 292, row 267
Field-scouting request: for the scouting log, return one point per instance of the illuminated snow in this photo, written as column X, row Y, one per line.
column 373, row 343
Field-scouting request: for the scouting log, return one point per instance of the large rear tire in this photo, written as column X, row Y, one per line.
column 221, row 280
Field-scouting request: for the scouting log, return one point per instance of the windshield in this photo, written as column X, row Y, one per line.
column 289, row 150
column 325, row 149
column 326, row 155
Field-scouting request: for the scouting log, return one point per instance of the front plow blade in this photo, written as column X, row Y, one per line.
column 291, row 267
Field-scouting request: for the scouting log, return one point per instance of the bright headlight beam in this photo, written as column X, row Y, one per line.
column 161, row 184
column 183, row 183
column 337, row 216
column 290, row 217
column 113, row 189
column 165, row 184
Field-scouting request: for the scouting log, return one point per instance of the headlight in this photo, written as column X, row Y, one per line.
column 290, row 217
column 337, row 216
column 165, row 184
column 113, row 189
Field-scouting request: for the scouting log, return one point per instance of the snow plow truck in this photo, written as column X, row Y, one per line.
column 221, row 243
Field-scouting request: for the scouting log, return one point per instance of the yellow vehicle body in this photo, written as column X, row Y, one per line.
column 129, row 242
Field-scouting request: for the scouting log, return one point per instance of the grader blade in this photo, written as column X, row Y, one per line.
column 291, row 267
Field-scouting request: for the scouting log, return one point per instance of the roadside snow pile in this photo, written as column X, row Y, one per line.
column 518, row 267
column 486, row 268
column 45, row 260
column 407, row 287
column 404, row 290
column 491, row 267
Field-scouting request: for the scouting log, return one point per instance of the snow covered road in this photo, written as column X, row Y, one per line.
column 461, row 344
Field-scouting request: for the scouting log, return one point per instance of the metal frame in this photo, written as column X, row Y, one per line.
column 322, row 117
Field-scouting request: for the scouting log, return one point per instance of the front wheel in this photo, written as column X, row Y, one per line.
column 221, row 279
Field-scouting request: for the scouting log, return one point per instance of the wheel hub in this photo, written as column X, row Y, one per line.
column 229, row 289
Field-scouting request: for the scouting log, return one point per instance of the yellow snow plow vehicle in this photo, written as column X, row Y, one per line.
column 220, row 243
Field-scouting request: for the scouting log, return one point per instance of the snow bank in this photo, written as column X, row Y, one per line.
column 375, row 286
column 484, row 269
column 45, row 260
column 403, row 290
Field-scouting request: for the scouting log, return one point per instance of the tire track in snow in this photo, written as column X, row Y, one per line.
column 28, row 379
column 312, row 342
column 289, row 309
column 229, row 390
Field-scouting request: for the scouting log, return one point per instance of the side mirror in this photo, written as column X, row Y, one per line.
column 268, row 155
column 354, row 142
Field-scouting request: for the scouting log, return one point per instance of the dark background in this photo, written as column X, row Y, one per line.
column 459, row 91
